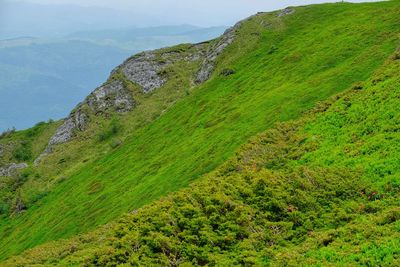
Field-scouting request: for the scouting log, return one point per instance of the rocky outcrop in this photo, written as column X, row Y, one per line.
column 77, row 120
column 65, row 132
column 143, row 70
column 217, row 49
column 286, row 11
column 111, row 96
column 1, row 150
column 12, row 169
column 214, row 51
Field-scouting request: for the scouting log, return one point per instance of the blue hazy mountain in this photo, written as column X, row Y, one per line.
column 42, row 81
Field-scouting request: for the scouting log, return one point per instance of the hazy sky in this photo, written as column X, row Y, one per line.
column 50, row 18
column 186, row 4
column 199, row 12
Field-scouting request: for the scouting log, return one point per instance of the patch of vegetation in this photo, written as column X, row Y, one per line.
column 227, row 72
column 26, row 145
column 23, row 152
column 18, row 147
column 7, row 132
column 113, row 129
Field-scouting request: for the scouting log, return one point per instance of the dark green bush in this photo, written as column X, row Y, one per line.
column 113, row 129
column 23, row 152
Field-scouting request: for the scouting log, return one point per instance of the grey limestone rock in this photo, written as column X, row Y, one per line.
column 286, row 11
column 12, row 168
column 143, row 69
column 109, row 96
column 214, row 51
column 64, row 132
column 77, row 120
column 112, row 95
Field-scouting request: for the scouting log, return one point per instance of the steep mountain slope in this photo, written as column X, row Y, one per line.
column 185, row 110
column 319, row 191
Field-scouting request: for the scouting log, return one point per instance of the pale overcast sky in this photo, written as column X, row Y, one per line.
column 200, row 12
column 264, row 4
column 47, row 18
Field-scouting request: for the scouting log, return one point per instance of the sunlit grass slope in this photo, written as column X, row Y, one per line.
column 322, row 190
column 282, row 66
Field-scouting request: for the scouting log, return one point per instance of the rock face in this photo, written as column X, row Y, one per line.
column 286, row 11
column 214, row 51
column 109, row 96
column 11, row 169
column 143, row 70
column 65, row 132
column 112, row 95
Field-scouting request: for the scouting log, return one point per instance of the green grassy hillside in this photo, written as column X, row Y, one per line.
column 279, row 66
column 319, row 191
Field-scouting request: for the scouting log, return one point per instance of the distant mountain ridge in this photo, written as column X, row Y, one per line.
column 150, row 37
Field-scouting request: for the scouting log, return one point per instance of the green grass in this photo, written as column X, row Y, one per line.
column 19, row 147
column 32, row 140
column 280, row 201
column 283, row 66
